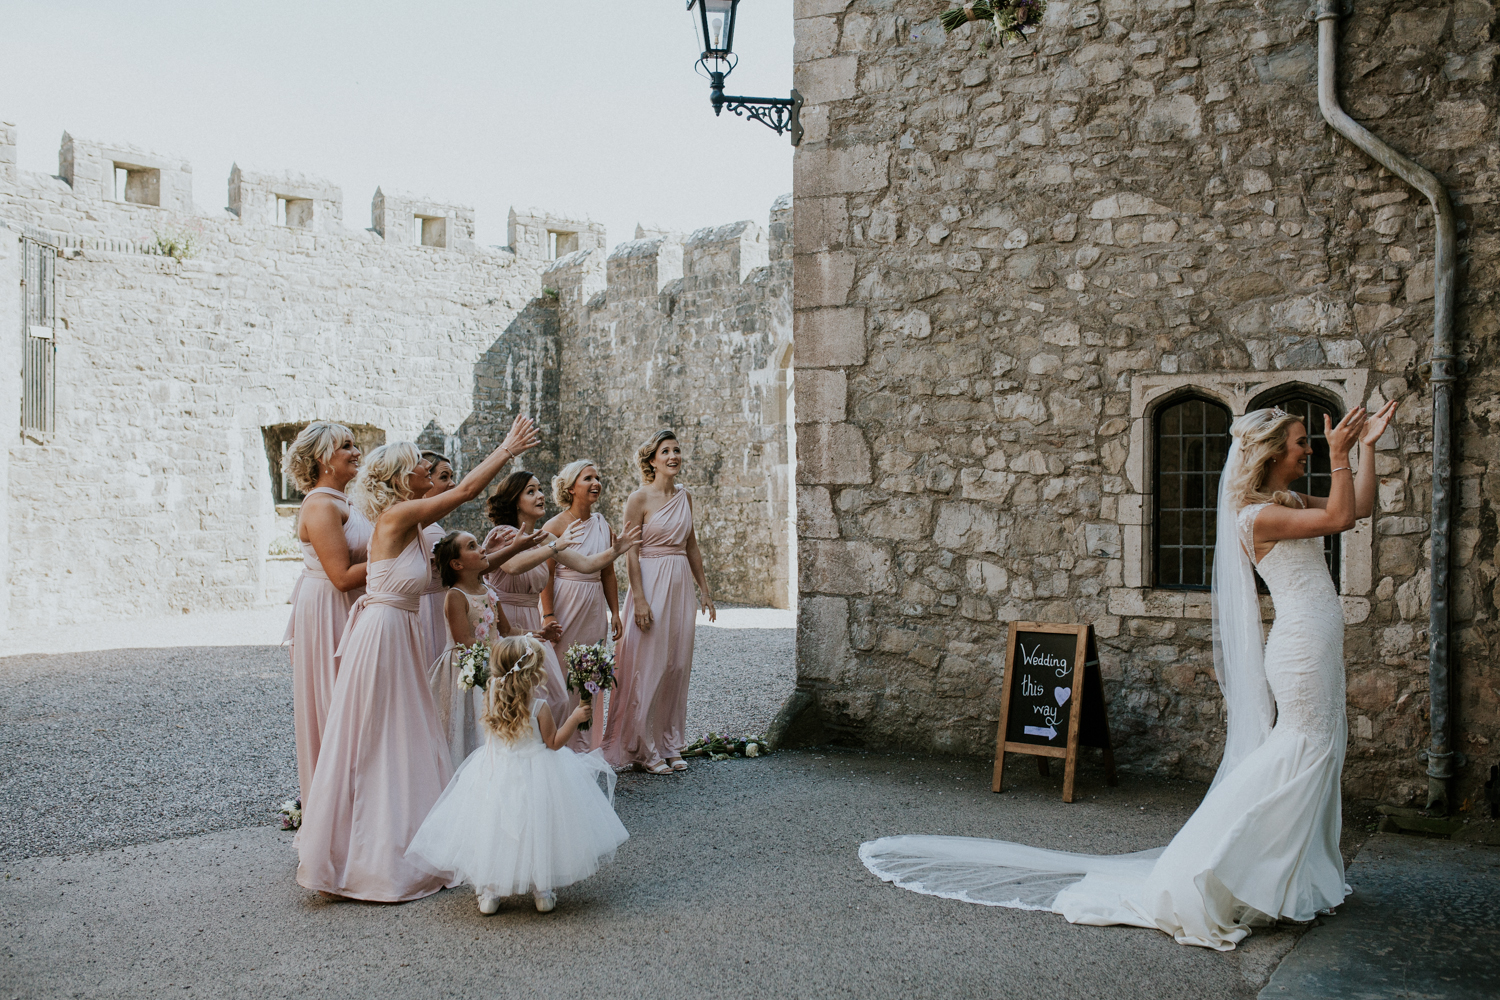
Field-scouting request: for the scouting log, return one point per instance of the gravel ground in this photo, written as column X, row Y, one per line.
column 740, row 878
column 131, row 746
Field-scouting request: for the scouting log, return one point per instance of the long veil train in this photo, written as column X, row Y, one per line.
column 1264, row 842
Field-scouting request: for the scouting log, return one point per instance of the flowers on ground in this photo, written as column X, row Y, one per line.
column 716, row 747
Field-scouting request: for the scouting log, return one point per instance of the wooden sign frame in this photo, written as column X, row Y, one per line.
column 1088, row 687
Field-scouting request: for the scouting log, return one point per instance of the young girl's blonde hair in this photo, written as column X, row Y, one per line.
column 515, row 672
column 1263, row 437
column 314, row 446
column 381, row 482
column 562, row 483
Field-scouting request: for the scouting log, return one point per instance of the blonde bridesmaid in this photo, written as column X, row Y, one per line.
column 431, row 618
column 654, row 658
column 321, row 462
column 384, row 760
column 585, row 605
column 521, row 584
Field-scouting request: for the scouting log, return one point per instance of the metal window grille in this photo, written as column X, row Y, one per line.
column 1192, row 442
column 38, row 352
column 1319, row 476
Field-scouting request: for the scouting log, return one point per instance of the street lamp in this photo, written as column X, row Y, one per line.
column 715, row 27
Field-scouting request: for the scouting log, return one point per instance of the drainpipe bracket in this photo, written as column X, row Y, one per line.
column 1442, row 765
column 1443, row 369
column 1330, row 8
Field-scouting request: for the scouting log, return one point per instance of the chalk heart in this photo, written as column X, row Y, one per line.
column 1062, row 694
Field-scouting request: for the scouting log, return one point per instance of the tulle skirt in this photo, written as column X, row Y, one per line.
column 522, row 819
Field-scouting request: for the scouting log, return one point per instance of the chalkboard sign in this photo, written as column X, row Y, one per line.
column 1053, row 699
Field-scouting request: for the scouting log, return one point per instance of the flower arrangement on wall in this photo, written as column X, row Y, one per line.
column 1008, row 18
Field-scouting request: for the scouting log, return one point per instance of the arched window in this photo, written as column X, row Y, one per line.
column 1311, row 409
column 1191, row 444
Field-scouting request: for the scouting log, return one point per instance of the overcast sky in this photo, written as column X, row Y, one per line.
column 585, row 107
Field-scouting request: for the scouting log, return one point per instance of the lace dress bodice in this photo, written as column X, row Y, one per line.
column 1305, row 650
column 481, row 614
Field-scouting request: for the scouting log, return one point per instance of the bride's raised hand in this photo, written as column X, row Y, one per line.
column 1342, row 436
column 522, row 437
column 1377, row 423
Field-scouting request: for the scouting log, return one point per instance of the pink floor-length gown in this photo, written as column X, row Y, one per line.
column 519, row 596
column 648, row 710
column 384, row 760
column 582, row 611
column 431, row 619
column 319, row 611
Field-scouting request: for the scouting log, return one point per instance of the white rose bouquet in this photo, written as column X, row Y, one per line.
column 474, row 666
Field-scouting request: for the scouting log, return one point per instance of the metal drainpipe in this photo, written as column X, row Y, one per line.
column 1443, row 373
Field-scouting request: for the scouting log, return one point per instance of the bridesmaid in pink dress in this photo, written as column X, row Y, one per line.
column 384, row 760
column 431, row 619
column 586, row 605
column 519, row 584
column 654, row 658
column 334, row 536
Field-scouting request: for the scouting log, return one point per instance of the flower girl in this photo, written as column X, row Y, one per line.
column 523, row 813
column 471, row 616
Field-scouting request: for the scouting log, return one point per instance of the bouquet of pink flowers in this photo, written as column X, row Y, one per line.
column 591, row 669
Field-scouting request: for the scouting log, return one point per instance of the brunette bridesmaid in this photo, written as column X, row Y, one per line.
column 521, row 584
column 431, row 618
column 654, row 658
column 384, row 760
column 585, row 605
column 321, row 462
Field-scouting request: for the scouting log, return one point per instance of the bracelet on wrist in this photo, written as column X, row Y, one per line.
column 1342, row 468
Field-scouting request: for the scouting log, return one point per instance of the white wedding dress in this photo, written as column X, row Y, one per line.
column 1263, row 844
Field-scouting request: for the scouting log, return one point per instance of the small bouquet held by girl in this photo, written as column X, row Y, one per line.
column 591, row 670
column 523, row 813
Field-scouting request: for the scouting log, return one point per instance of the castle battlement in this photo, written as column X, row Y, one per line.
column 110, row 172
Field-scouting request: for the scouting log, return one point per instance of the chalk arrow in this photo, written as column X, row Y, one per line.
column 1049, row 732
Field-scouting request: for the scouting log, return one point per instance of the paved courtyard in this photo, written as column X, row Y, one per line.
column 140, row 859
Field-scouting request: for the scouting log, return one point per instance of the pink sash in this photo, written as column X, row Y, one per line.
column 403, row 602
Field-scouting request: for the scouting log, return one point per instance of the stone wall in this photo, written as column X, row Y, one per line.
column 696, row 336
column 181, row 333
column 1007, row 258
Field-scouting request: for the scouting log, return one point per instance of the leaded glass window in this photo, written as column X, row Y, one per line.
column 1192, row 442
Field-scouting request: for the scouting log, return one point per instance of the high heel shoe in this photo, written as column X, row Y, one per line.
column 659, row 767
column 677, row 763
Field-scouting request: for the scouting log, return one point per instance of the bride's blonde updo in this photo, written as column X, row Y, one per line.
column 1263, row 437
column 381, row 482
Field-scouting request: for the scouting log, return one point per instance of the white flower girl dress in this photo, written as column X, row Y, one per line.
column 518, row 817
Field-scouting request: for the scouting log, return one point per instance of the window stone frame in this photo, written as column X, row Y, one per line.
column 1135, row 506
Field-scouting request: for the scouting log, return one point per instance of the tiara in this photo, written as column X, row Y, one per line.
column 1277, row 413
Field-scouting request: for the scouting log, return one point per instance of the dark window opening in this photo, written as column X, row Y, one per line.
column 279, row 438
column 1191, row 444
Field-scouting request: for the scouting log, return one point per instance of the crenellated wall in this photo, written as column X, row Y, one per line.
column 185, row 338
column 695, row 336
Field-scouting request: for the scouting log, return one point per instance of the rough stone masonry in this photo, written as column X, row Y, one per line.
column 1007, row 258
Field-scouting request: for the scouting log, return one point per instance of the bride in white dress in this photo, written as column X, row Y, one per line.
column 1264, row 843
